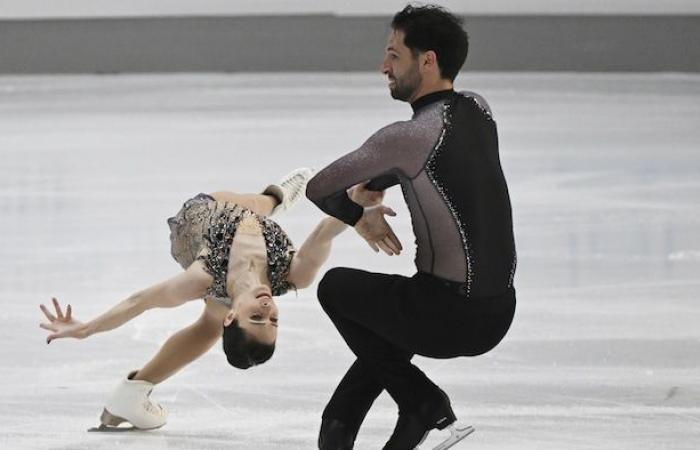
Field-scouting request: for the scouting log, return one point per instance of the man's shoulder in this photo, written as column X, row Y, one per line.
column 395, row 129
column 478, row 99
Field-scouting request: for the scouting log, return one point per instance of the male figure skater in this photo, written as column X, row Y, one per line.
column 461, row 301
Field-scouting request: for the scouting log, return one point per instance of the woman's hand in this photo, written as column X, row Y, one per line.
column 364, row 197
column 62, row 325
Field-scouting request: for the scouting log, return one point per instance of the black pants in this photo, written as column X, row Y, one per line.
column 386, row 319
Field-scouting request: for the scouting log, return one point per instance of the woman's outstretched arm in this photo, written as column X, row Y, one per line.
column 314, row 252
column 189, row 285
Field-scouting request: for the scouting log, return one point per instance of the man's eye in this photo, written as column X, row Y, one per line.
column 256, row 317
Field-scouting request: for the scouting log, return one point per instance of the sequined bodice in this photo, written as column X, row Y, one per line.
column 204, row 229
column 219, row 234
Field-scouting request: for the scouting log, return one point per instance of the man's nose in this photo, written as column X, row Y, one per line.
column 384, row 67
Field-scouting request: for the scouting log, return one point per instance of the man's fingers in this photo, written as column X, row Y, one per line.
column 46, row 312
column 373, row 246
column 395, row 240
column 386, row 242
column 69, row 312
column 391, row 245
column 385, row 248
column 59, row 313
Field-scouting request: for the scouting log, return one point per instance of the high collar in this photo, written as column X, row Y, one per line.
column 431, row 98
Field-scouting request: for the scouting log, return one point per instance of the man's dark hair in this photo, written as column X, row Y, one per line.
column 243, row 352
column 432, row 27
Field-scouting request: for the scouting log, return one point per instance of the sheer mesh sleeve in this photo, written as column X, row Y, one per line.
column 396, row 150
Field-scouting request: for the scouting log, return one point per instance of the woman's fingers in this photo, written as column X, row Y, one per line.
column 47, row 326
column 59, row 313
column 388, row 211
column 46, row 312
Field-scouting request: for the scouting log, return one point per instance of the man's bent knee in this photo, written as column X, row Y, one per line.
column 331, row 286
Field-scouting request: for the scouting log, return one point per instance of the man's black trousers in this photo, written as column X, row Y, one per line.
column 386, row 319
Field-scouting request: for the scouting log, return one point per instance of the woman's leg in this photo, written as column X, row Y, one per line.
column 260, row 204
column 183, row 347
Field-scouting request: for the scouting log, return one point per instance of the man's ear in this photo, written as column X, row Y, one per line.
column 230, row 317
column 429, row 60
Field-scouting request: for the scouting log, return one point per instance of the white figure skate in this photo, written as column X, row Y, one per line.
column 290, row 189
column 456, row 435
column 129, row 402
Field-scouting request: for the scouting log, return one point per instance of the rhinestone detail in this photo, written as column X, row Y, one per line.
column 218, row 236
column 481, row 107
column 512, row 269
column 430, row 170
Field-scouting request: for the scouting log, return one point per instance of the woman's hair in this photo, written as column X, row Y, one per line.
column 432, row 27
column 242, row 351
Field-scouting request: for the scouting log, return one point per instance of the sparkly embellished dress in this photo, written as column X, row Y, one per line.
column 204, row 229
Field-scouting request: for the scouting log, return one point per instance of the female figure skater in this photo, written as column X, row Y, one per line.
column 236, row 259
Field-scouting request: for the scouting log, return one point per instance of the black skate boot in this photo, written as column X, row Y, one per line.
column 336, row 435
column 412, row 428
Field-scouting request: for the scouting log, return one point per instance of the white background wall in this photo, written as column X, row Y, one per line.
column 19, row 9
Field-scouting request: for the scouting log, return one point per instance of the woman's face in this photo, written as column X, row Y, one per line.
column 257, row 314
column 248, row 284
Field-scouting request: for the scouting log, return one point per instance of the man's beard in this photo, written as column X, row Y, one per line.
column 405, row 86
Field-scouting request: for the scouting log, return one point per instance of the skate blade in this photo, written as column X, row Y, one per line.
column 110, row 424
column 456, row 435
column 110, row 429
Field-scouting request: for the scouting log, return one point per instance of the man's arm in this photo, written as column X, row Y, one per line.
column 189, row 285
column 378, row 158
column 317, row 247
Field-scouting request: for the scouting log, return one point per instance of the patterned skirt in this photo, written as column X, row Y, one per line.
column 187, row 229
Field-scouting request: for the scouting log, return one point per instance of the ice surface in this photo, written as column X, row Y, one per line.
column 604, row 174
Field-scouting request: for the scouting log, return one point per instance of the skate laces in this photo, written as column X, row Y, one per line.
column 294, row 185
column 152, row 408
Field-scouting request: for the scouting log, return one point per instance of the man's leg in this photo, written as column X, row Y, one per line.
column 373, row 314
column 347, row 408
column 354, row 396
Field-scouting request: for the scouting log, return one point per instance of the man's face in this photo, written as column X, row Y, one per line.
column 401, row 68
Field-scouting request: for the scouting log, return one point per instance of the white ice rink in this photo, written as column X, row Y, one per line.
column 604, row 175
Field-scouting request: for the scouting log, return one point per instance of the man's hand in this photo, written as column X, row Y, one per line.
column 374, row 229
column 364, row 197
column 62, row 325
